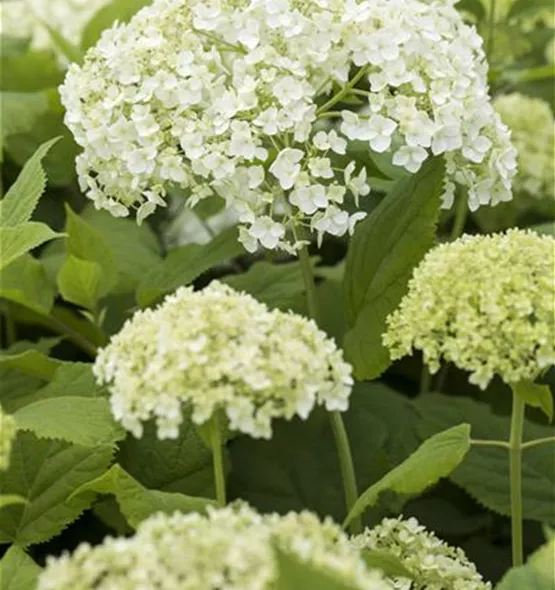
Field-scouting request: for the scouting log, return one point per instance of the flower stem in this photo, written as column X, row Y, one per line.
column 515, row 456
column 343, row 92
column 461, row 213
column 490, row 443
column 347, row 467
column 338, row 427
column 217, row 459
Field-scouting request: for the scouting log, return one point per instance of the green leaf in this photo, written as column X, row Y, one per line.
column 135, row 501
column 24, row 281
column 67, row 49
column 294, row 574
column 276, row 285
column 299, row 466
column 87, row 243
column 18, row 571
column 20, row 239
column 537, row 574
column 46, row 473
column 388, row 563
column 117, row 10
column 437, row 457
column 547, row 228
column 484, row 474
column 21, row 110
column 70, row 379
column 384, row 250
column 32, row 362
column 31, row 71
column 135, row 248
column 181, row 465
column 8, row 500
column 42, row 121
column 24, row 194
column 80, row 282
column 536, row 395
column 81, row 420
column 183, row 265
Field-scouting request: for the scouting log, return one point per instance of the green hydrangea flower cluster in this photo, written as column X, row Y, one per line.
column 7, row 434
column 484, row 303
column 533, row 134
column 231, row 548
column 433, row 564
column 220, row 349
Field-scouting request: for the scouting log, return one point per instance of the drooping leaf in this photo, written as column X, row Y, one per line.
column 437, row 457
column 70, row 379
column 20, row 239
column 537, row 574
column 116, row 10
column 383, row 252
column 183, row 265
column 46, row 473
column 135, row 501
column 536, row 395
column 81, row 282
column 21, row 199
column 484, row 473
column 15, row 384
column 276, row 285
column 84, row 421
column 24, row 281
column 32, row 362
column 18, row 571
column 294, row 574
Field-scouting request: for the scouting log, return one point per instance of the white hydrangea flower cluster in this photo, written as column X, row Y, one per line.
column 484, row 303
column 26, row 19
column 238, row 99
column 231, row 548
column 532, row 128
column 433, row 564
column 7, row 434
column 220, row 349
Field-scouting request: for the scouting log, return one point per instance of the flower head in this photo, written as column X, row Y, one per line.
column 433, row 564
column 198, row 94
column 484, row 303
column 533, row 134
column 230, row 548
column 7, row 434
column 220, row 349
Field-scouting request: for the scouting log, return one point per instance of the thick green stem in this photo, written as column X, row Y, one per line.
column 338, row 427
column 217, row 459
column 425, row 379
column 310, row 287
column 461, row 213
column 347, row 467
column 515, row 462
